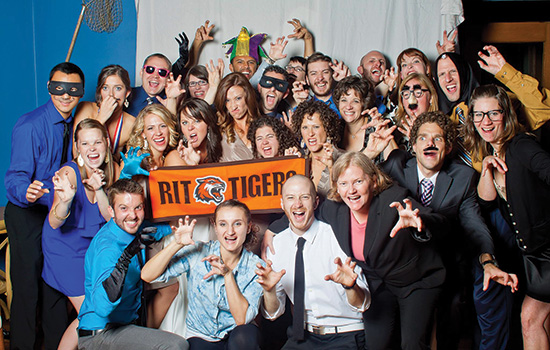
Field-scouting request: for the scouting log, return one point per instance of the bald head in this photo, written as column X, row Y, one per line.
column 299, row 200
column 372, row 67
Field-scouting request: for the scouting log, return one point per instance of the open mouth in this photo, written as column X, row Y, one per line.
column 159, row 140
column 299, row 215
column 451, row 88
column 413, row 106
column 193, row 138
column 312, row 141
column 267, row 150
column 270, row 99
column 199, row 94
column 354, row 199
column 93, row 157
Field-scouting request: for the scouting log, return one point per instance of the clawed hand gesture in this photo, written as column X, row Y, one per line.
column 35, row 191
column 218, row 266
column 63, row 187
column 326, row 158
column 215, row 73
column 96, row 179
column 132, row 163
column 379, row 139
column 407, row 123
column 449, row 42
column 300, row 32
column 267, row 277
column 203, row 33
column 183, row 234
column 300, row 91
column 493, row 62
column 493, row 162
column 340, row 70
column 390, row 78
column 407, row 217
column 287, row 119
column 189, row 155
column 173, row 88
column 276, row 52
column 344, row 274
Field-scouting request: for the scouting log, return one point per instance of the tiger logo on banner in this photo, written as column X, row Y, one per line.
column 197, row 190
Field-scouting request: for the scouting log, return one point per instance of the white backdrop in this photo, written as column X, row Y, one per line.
column 342, row 29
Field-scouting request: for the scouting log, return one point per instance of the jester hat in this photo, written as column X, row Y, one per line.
column 246, row 45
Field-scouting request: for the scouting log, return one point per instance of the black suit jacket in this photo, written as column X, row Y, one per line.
column 455, row 197
column 404, row 263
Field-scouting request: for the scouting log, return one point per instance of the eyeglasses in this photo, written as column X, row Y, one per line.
column 417, row 93
column 151, row 69
column 495, row 115
column 197, row 83
column 295, row 68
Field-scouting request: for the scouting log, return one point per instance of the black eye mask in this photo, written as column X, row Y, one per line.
column 59, row 88
column 280, row 85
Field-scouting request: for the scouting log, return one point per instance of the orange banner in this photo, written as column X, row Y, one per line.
column 197, row 190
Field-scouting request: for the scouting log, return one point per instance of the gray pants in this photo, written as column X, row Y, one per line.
column 133, row 337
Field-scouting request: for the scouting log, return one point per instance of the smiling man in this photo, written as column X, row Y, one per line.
column 113, row 285
column 328, row 292
column 273, row 89
column 40, row 145
column 154, row 75
column 449, row 188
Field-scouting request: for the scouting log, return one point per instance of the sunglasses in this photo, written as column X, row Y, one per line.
column 151, row 69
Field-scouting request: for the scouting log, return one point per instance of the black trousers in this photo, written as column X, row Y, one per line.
column 414, row 314
column 30, row 293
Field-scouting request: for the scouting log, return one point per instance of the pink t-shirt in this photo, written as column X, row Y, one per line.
column 357, row 238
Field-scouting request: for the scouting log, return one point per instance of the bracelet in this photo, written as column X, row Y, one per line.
column 59, row 217
column 494, row 262
column 350, row 287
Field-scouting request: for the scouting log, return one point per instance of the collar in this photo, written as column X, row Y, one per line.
column 55, row 116
column 309, row 235
column 421, row 177
column 124, row 236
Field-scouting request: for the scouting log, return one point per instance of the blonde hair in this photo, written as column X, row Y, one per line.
column 424, row 80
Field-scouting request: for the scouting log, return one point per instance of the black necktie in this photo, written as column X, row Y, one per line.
column 66, row 141
column 299, row 290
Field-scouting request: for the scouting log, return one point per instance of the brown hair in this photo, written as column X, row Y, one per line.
column 328, row 117
column 107, row 166
column 226, row 120
column 381, row 180
column 113, row 69
column 363, row 87
column 511, row 127
column 123, row 186
column 251, row 237
column 439, row 118
column 284, row 136
column 413, row 52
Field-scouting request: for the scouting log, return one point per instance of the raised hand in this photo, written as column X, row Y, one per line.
column 188, row 154
column 300, row 91
column 218, row 266
column 108, row 105
column 493, row 162
column 183, row 43
column 293, row 151
column 300, row 32
column 407, row 217
column 390, row 78
column 203, row 32
column 97, row 180
column 132, row 163
column 215, row 73
column 344, row 274
column 276, row 52
column 379, row 139
column 340, row 70
column 267, row 277
column 173, row 87
column 407, row 123
column 449, row 42
column 63, row 187
column 287, row 118
column 326, row 158
column 493, row 62
column 183, row 234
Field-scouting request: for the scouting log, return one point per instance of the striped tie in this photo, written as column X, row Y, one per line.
column 427, row 191
column 463, row 153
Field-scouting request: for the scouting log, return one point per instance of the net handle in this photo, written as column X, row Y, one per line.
column 76, row 30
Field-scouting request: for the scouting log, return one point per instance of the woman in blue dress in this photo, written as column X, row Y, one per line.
column 78, row 210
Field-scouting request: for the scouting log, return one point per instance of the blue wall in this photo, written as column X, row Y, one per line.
column 35, row 35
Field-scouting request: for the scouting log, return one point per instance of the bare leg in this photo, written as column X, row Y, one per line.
column 70, row 337
column 158, row 307
column 534, row 317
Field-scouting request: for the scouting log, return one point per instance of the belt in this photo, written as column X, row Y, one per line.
column 322, row 330
column 87, row 333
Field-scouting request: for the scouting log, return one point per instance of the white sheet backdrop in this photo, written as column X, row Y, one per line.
column 343, row 29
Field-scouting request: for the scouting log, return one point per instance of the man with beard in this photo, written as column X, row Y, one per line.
column 273, row 89
column 449, row 188
column 321, row 75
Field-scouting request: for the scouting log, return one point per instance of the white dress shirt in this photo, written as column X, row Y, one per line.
column 325, row 302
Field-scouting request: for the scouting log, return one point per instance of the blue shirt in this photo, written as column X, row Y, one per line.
column 209, row 316
column 330, row 103
column 36, row 149
column 138, row 100
column 102, row 255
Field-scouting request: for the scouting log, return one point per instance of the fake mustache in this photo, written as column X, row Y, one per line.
column 431, row 148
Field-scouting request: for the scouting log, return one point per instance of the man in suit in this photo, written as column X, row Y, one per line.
column 449, row 188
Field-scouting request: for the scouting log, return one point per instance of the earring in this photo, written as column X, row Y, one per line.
column 126, row 103
column 208, row 136
column 145, row 143
column 107, row 158
column 329, row 140
column 302, row 144
column 80, row 161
